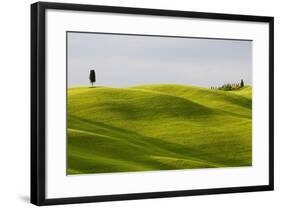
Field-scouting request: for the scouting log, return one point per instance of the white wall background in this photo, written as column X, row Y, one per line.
column 15, row 103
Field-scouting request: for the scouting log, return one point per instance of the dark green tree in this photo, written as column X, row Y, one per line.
column 92, row 76
column 242, row 83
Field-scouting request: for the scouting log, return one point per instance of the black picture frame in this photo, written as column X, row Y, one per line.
column 38, row 102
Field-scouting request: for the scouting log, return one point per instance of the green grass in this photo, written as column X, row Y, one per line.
column 157, row 127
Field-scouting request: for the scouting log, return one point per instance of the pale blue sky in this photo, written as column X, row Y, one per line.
column 127, row 60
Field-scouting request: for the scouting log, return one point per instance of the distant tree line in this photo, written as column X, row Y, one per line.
column 229, row 86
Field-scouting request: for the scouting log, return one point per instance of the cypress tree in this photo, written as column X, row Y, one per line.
column 242, row 83
column 92, row 76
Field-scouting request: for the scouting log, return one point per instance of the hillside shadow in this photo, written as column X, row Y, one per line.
column 162, row 146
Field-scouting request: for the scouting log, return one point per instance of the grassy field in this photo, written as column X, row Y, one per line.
column 157, row 127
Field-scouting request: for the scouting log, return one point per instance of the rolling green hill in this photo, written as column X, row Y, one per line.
column 157, row 127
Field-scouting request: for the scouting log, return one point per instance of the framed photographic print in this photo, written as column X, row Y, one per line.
column 135, row 103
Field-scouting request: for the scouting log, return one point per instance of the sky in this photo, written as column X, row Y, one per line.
column 130, row 60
